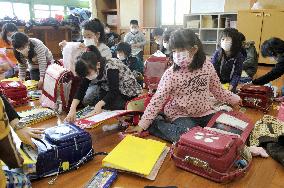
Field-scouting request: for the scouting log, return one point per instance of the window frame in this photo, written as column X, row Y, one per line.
column 175, row 22
column 65, row 3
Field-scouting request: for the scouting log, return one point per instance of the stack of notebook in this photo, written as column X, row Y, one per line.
column 104, row 118
column 36, row 115
column 142, row 157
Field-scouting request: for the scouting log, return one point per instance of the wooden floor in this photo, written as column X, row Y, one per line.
column 264, row 173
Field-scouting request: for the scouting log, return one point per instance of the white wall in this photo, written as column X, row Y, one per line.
column 129, row 10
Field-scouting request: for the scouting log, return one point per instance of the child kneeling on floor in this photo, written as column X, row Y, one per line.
column 115, row 81
column 185, row 88
column 228, row 59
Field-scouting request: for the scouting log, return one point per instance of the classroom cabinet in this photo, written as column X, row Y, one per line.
column 260, row 25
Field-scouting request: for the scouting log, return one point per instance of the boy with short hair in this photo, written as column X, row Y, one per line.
column 136, row 39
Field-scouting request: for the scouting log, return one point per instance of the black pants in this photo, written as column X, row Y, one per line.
column 34, row 74
column 171, row 131
column 95, row 94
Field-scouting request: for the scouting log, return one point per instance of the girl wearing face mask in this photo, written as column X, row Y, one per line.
column 116, row 82
column 8, row 30
column 185, row 89
column 123, row 52
column 228, row 59
column 93, row 32
column 33, row 54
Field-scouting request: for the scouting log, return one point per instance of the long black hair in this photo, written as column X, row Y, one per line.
column 6, row 28
column 95, row 26
column 236, row 40
column 20, row 40
column 272, row 47
column 186, row 38
column 89, row 60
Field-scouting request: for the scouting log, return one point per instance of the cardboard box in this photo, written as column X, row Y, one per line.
column 193, row 24
column 112, row 19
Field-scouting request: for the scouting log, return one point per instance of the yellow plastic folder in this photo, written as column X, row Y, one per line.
column 135, row 155
column 226, row 86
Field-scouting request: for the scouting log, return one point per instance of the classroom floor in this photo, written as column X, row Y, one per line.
column 264, row 173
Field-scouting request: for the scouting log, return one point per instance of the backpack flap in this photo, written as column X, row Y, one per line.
column 66, row 134
column 265, row 90
column 207, row 141
column 231, row 123
column 154, row 70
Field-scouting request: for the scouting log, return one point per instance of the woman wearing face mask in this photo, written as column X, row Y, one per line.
column 273, row 48
column 116, row 82
column 185, row 90
column 32, row 53
column 8, row 30
column 228, row 59
column 123, row 52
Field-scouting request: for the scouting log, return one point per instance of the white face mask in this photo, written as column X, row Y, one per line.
column 9, row 39
column 226, row 45
column 134, row 30
column 107, row 31
column 166, row 45
column 24, row 51
column 121, row 57
column 89, row 42
column 92, row 76
column 182, row 59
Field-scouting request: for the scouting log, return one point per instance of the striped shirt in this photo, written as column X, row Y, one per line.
column 39, row 61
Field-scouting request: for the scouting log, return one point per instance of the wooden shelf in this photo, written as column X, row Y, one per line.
column 108, row 11
column 209, row 42
column 208, row 28
column 113, row 26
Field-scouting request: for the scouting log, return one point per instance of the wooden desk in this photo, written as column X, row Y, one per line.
column 264, row 173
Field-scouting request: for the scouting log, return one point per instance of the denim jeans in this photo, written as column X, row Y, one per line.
column 171, row 131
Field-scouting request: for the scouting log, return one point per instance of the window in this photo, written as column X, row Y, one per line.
column 173, row 11
column 57, row 10
column 46, row 11
column 7, row 10
column 41, row 11
column 182, row 7
column 21, row 8
column 22, row 11
column 168, row 12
